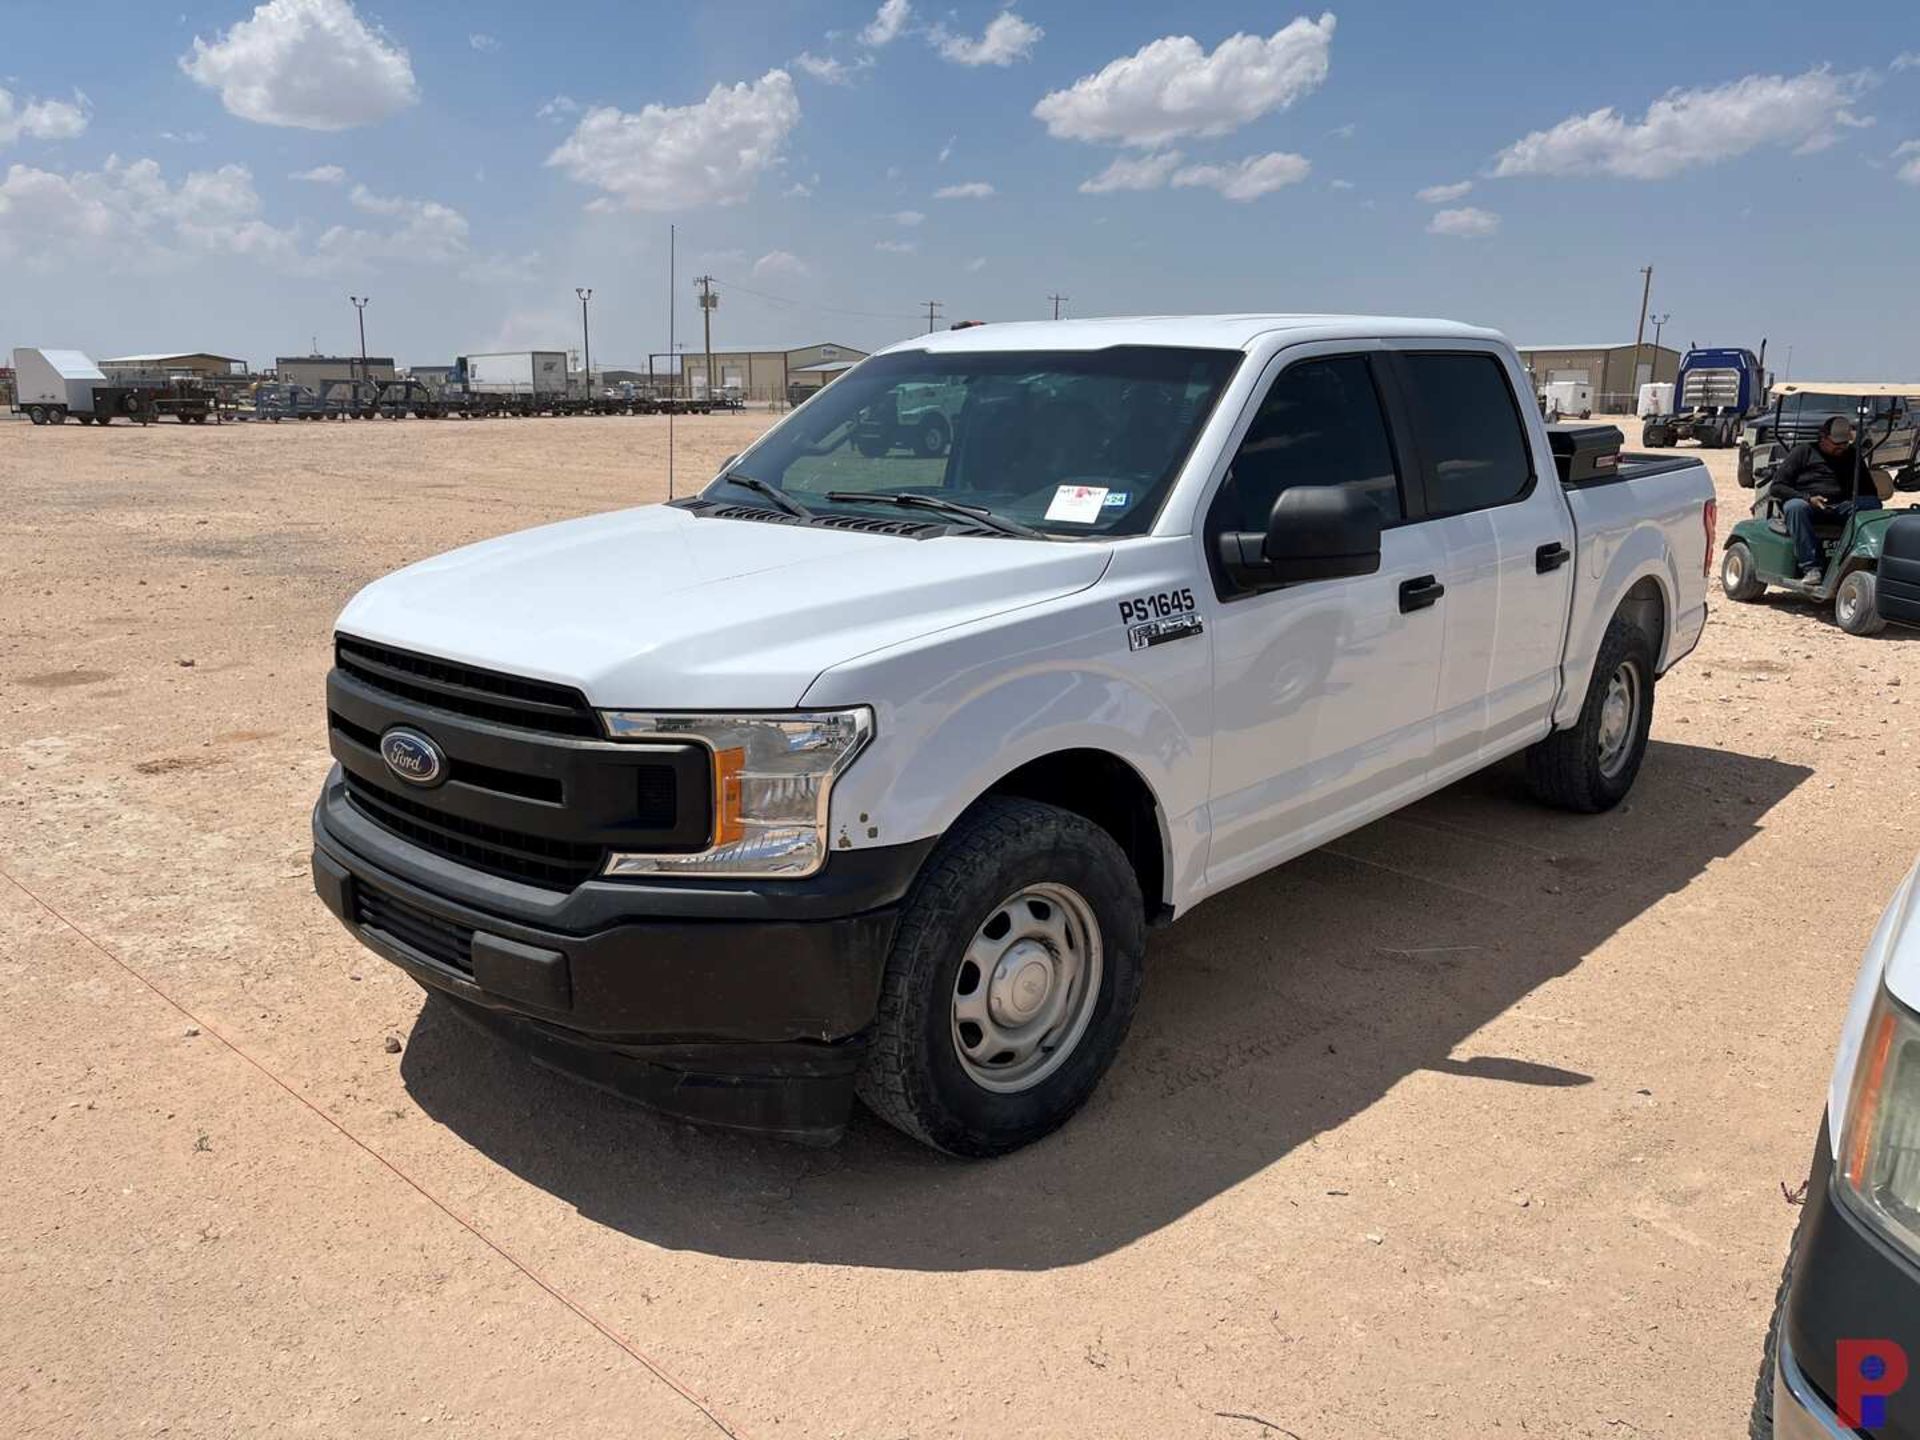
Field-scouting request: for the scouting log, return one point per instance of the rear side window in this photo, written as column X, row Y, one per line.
column 1470, row 432
column 1320, row 424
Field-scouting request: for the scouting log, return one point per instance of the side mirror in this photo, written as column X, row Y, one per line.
column 1315, row 533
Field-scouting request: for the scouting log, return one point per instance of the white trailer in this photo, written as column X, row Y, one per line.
column 52, row 384
column 1569, row 397
column 1656, row 398
column 518, row 372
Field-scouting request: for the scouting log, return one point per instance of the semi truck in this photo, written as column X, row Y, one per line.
column 865, row 774
column 1714, row 393
column 540, row 374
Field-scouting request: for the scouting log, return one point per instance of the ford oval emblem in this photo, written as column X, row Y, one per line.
column 413, row 757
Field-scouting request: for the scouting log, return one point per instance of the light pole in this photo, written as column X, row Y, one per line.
column 586, row 345
column 360, row 308
column 1659, row 324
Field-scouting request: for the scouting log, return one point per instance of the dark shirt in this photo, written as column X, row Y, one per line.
column 1808, row 472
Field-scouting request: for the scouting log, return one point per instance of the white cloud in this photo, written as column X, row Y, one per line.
column 184, row 137
column 1172, row 87
column 1909, row 152
column 558, row 108
column 321, row 175
column 683, row 157
column 798, row 190
column 1340, row 185
column 1685, row 128
column 1129, row 172
column 780, row 265
column 1906, row 60
column 1469, row 222
column 1441, row 194
column 312, row 64
column 127, row 216
column 1343, row 132
column 947, row 149
column 1249, row 179
column 896, row 247
column 483, row 42
column 1006, row 39
column 887, row 23
column 976, row 265
column 970, row 190
column 42, row 119
column 828, row 70
column 908, row 217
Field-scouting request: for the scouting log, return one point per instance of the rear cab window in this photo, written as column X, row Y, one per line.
column 1474, row 445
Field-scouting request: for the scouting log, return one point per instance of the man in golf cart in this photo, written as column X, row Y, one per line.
column 1822, row 479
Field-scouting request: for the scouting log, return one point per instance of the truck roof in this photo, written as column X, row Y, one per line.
column 1213, row 332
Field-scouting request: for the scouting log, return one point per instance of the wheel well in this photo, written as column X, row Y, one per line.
column 1110, row 793
column 1645, row 608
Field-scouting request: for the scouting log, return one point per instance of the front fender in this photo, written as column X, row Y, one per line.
column 958, row 711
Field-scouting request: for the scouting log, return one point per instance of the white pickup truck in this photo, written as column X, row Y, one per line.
column 865, row 770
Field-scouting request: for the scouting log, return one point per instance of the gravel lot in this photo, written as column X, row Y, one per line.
column 1474, row 1123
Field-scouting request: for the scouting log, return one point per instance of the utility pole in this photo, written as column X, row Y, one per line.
column 586, row 345
column 360, row 307
column 709, row 302
column 933, row 313
column 1058, row 301
column 1646, row 293
column 673, row 294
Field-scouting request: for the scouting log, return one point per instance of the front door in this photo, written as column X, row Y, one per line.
column 1324, row 691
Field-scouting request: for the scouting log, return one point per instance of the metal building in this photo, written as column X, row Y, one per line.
column 1609, row 369
column 317, row 372
column 771, row 372
column 166, row 365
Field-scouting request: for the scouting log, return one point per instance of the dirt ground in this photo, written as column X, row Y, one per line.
column 1474, row 1123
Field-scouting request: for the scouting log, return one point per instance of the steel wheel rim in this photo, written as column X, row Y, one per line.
column 1619, row 718
column 1733, row 574
column 1849, row 600
column 1026, row 988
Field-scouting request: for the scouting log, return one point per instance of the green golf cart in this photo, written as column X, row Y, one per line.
column 1870, row 569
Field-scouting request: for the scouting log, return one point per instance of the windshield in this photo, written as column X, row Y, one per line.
column 1071, row 443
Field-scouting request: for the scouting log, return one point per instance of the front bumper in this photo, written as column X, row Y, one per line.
column 732, row 1003
column 1848, row 1284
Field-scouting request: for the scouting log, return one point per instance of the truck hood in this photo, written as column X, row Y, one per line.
column 660, row 608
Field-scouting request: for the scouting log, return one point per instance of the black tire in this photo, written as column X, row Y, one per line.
column 930, row 437
column 1739, row 577
column 1655, row 437
column 57, row 416
column 1856, row 604
column 1571, row 768
column 1760, row 1425
column 913, row 1076
column 871, row 446
column 37, row 414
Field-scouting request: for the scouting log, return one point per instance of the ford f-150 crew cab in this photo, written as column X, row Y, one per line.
column 866, row 769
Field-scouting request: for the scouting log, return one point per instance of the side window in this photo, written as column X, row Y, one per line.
column 1470, row 431
column 1321, row 424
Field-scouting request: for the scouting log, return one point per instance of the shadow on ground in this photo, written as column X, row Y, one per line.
column 1272, row 1014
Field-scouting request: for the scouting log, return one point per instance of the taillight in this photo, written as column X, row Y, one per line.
column 1710, row 517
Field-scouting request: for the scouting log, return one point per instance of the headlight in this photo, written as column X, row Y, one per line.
column 772, row 777
column 1880, row 1142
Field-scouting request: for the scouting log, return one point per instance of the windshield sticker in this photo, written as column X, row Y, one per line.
column 1117, row 499
column 1077, row 504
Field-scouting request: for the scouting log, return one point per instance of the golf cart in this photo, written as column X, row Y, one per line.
column 1871, row 559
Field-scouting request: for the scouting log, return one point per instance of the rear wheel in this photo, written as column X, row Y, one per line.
column 1856, row 605
column 1591, row 766
column 57, row 416
column 1738, row 575
column 930, row 436
column 1012, row 980
column 37, row 414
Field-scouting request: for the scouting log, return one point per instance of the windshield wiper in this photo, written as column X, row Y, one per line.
column 908, row 500
column 773, row 492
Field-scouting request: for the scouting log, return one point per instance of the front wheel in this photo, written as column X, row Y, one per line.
column 1012, row 980
column 1856, row 605
column 1591, row 766
column 1738, row 576
column 930, row 437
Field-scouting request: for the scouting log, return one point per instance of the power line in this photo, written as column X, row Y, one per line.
column 817, row 309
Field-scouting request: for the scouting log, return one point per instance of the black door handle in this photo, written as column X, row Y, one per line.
column 1551, row 557
column 1419, row 593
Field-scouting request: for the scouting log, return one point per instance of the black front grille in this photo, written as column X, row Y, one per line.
column 512, row 854
column 483, row 694
column 412, row 928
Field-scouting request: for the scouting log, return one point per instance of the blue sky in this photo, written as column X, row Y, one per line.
column 467, row 166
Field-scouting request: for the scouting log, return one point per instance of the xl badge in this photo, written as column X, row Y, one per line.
column 413, row 757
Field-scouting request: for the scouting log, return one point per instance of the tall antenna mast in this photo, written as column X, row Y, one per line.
column 674, row 355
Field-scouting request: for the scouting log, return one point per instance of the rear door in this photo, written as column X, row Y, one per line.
column 1496, row 504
